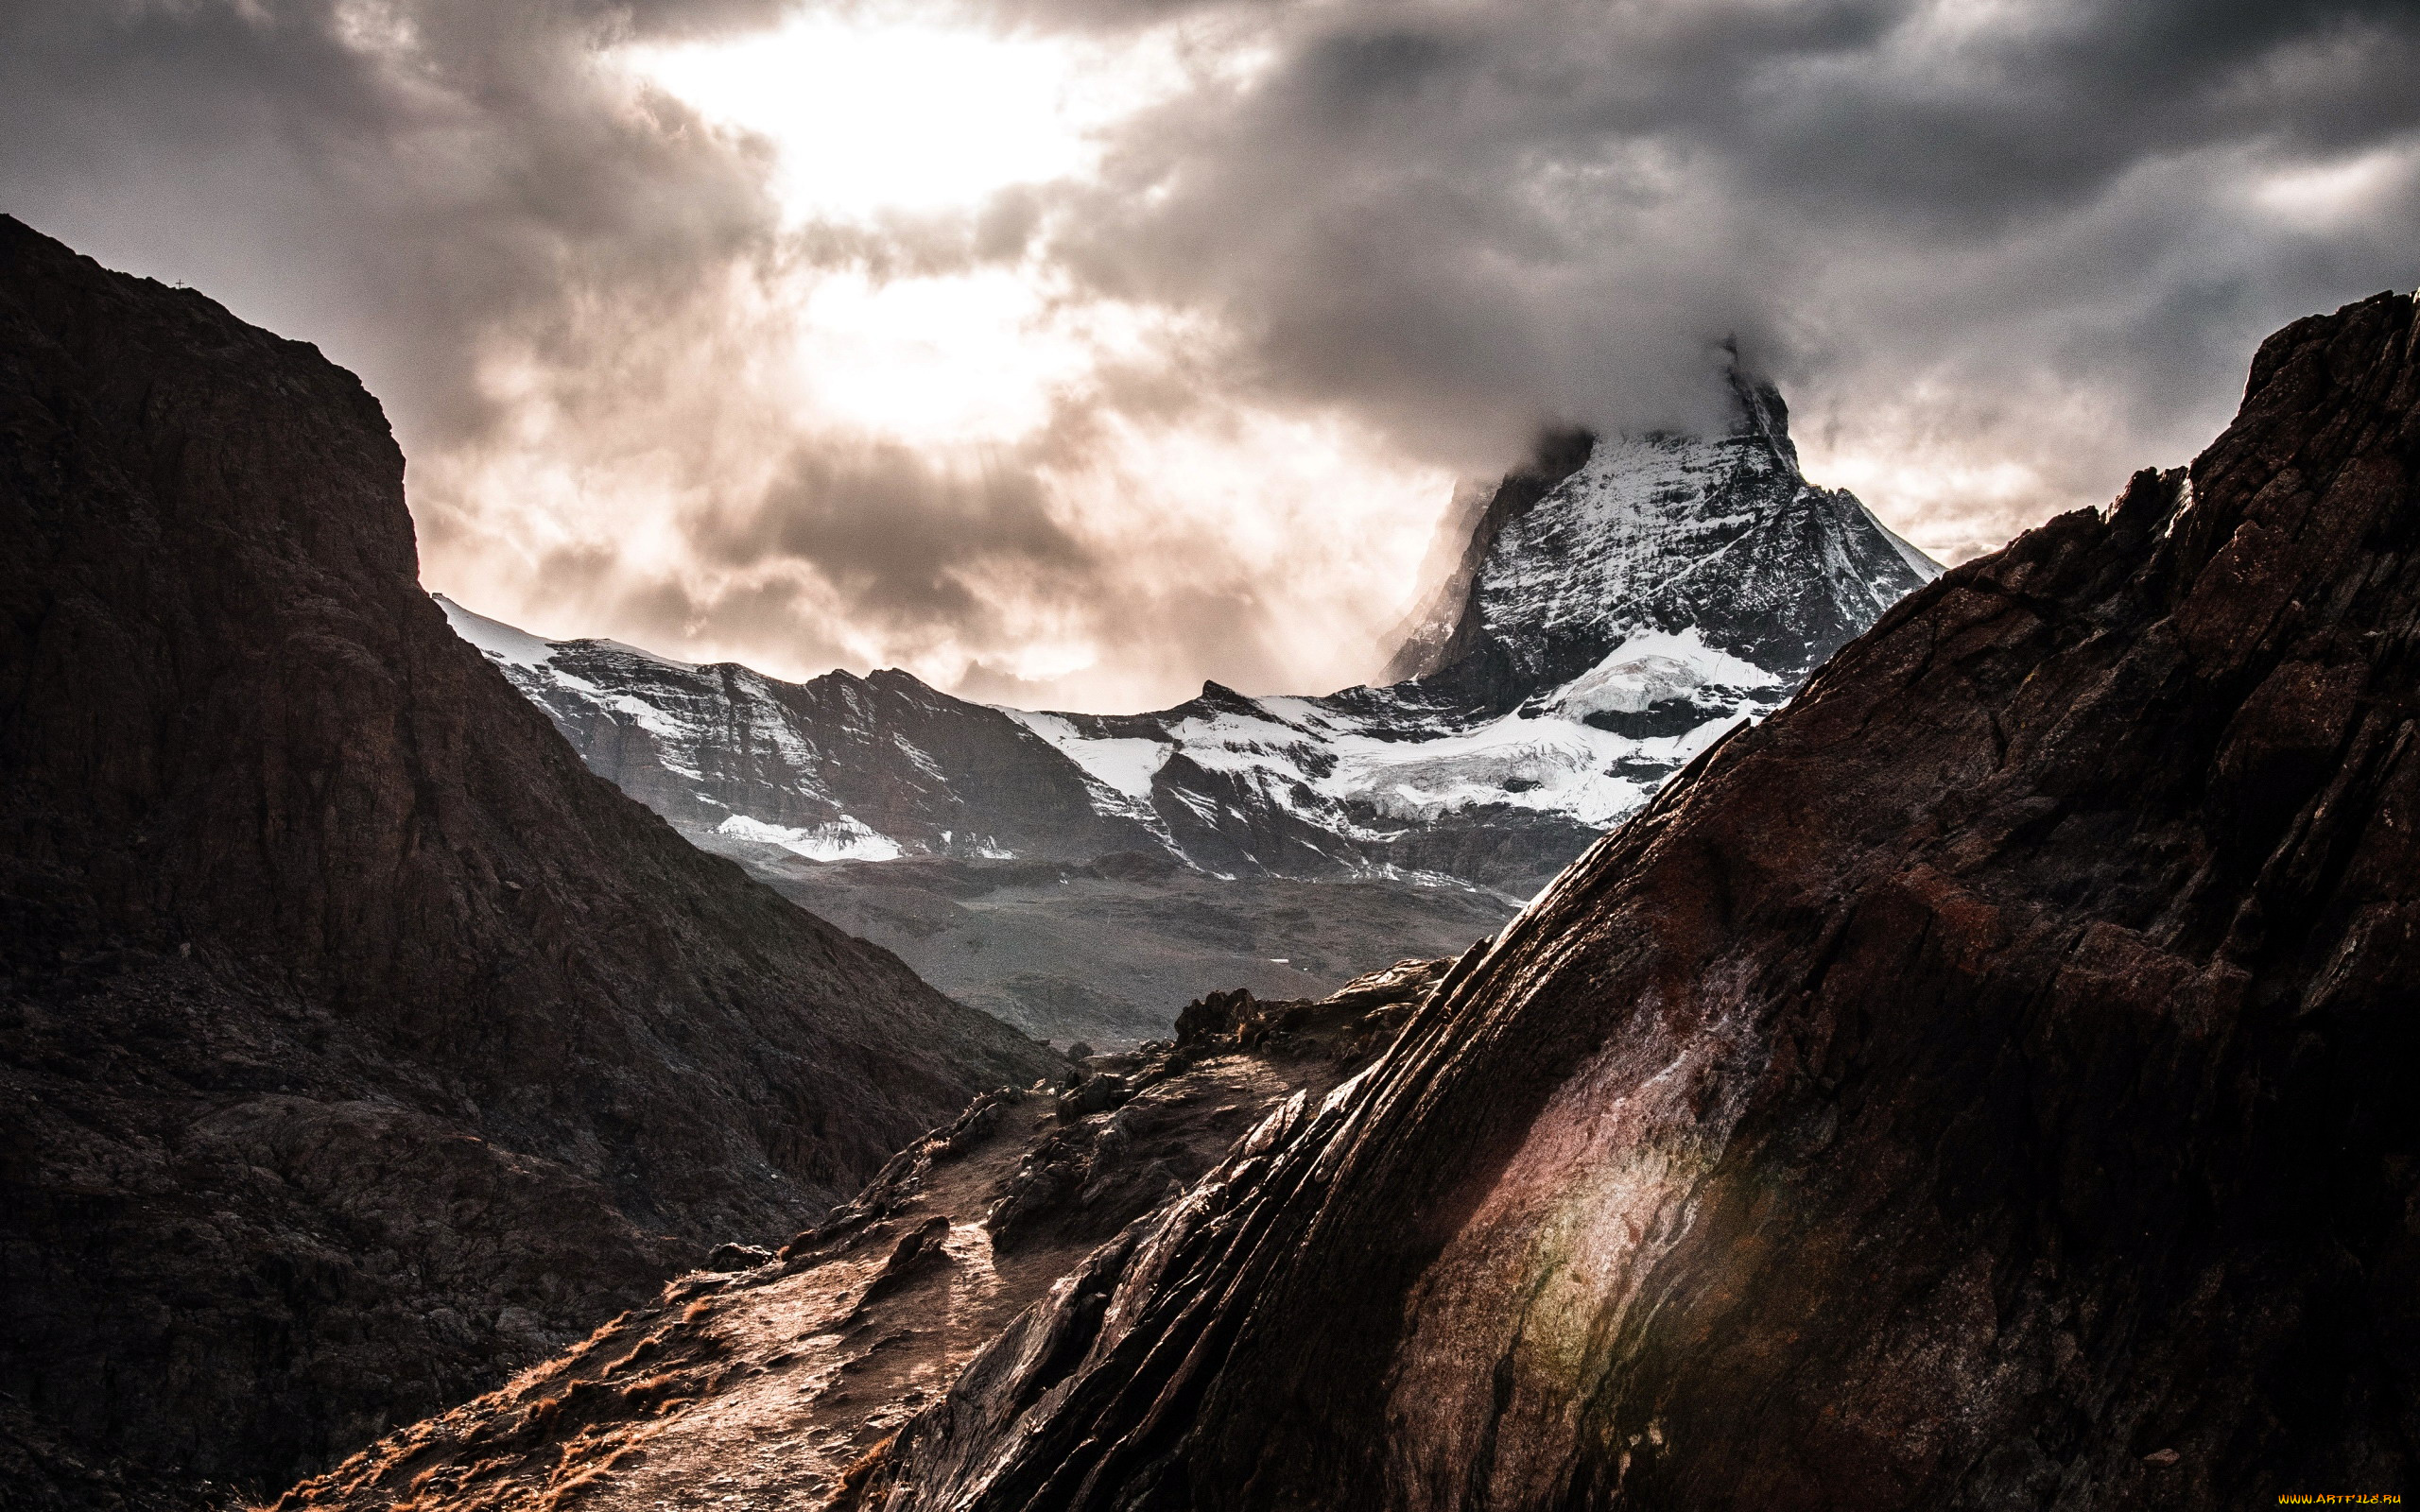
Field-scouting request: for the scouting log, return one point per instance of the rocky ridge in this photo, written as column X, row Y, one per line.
column 776, row 1380
column 356, row 1043
column 1982, row 1084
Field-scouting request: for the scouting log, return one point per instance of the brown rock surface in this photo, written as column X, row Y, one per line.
column 356, row 1043
column 1986, row 1084
column 780, row 1386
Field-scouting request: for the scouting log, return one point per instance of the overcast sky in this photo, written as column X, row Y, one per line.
column 1070, row 352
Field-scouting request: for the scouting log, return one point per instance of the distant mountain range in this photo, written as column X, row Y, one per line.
column 1620, row 603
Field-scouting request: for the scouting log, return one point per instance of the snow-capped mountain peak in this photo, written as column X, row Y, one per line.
column 1720, row 535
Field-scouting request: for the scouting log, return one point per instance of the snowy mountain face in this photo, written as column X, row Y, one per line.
column 1721, row 539
column 1624, row 602
column 838, row 769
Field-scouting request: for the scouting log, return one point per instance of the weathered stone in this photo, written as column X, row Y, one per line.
column 781, row 1388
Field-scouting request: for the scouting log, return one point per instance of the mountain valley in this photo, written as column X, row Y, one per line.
column 1980, row 1084
column 1741, row 1017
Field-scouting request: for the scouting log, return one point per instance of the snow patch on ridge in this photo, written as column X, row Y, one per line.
column 843, row 839
column 1652, row 667
column 1923, row 566
column 1230, row 742
column 647, row 717
column 499, row 641
column 1550, row 765
column 1316, row 762
column 1123, row 764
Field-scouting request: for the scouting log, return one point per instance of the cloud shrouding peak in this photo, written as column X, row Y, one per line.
column 1070, row 352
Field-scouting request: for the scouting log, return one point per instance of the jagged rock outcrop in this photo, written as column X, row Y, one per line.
column 1983, row 1083
column 356, row 1043
column 1716, row 541
column 776, row 1382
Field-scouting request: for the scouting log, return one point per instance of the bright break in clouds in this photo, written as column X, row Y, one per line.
column 1071, row 352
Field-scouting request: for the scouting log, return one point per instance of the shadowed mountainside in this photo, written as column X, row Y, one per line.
column 356, row 1043
column 1984, row 1084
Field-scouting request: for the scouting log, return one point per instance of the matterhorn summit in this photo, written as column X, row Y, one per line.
column 1720, row 540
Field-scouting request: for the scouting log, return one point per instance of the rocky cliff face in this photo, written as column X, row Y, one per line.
column 1426, row 639
column 356, row 1043
column 1719, row 540
column 1983, row 1083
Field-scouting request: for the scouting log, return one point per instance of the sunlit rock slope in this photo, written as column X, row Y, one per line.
column 771, row 1381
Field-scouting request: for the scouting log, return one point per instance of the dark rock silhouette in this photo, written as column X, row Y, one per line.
column 1987, row 1083
column 356, row 1043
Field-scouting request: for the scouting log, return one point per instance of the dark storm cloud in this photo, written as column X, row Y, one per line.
column 934, row 560
column 401, row 179
column 902, row 541
column 1469, row 218
column 2001, row 251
